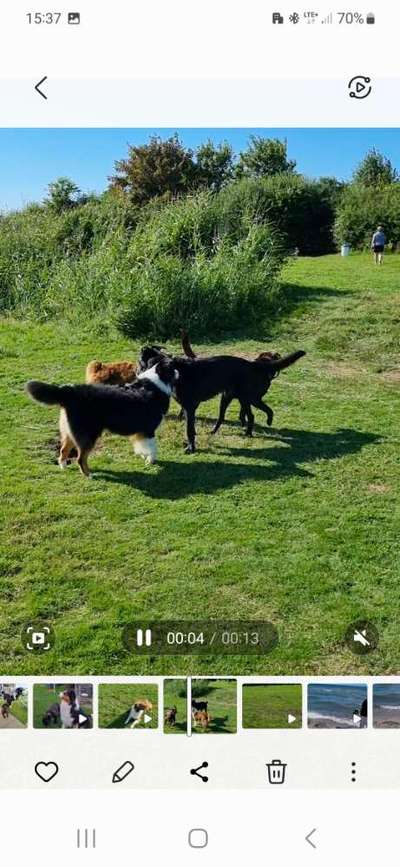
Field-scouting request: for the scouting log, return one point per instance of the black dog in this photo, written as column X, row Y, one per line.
column 201, row 379
column 52, row 715
column 199, row 705
column 258, row 383
column 135, row 410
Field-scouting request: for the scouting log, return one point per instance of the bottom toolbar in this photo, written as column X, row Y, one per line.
column 199, row 732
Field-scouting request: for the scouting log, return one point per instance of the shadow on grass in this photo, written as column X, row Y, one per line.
column 294, row 296
column 119, row 721
column 217, row 724
column 178, row 728
column 176, row 480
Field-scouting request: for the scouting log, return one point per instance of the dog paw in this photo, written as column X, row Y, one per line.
column 189, row 450
column 63, row 464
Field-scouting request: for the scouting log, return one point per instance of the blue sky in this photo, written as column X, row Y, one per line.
column 30, row 158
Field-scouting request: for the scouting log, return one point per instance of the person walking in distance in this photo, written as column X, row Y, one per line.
column 378, row 245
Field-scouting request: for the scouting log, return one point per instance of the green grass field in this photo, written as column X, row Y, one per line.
column 175, row 695
column 116, row 700
column 222, row 705
column 298, row 526
column 266, row 706
column 44, row 696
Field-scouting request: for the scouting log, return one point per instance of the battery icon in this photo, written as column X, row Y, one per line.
column 143, row 637
column 370, row 18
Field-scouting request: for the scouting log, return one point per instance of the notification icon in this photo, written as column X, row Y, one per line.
column 74, row 17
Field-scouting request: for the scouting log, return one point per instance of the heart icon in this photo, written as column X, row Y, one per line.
column 46, row 770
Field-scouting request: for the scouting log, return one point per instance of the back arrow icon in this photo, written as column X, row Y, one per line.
column 308, row 838
column 37, row 86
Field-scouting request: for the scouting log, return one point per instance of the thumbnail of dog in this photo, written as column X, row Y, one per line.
column 170, row 716
column 137, row 712
column 133, row 411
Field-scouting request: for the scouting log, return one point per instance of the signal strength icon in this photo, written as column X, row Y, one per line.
column 328, row 19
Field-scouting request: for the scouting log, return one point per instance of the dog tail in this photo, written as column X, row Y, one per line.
column 186, row 345
column 286, row 361
column 46, row 393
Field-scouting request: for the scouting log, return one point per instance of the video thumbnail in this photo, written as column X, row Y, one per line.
column 272, row 706
column 199, row 343
column 128, row 706
column 337, row 706
column 175, row 706
column 63, row 706
column 13, row 706
column 214, row 706
column 386, row 706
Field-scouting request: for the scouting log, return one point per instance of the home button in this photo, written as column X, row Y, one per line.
column 198, row 838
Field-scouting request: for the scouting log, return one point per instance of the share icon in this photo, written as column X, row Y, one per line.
column 195, row 772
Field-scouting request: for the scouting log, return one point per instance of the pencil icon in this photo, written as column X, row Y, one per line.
column 122, row 772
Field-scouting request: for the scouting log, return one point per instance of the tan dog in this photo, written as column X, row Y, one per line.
column 115, row 373
column 201, row 718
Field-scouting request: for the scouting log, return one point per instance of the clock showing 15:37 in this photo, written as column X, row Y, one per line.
column 53, row 18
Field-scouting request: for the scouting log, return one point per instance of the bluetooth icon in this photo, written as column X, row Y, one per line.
column 294, row 18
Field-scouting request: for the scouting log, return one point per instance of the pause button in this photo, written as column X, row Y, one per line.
column 143, row 637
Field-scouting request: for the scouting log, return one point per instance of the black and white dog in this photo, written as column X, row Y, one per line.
column 201, row 379
column 135, row 410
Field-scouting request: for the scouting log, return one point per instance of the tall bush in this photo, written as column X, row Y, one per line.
column 189, row 266
column 302, row 210
column 362, row 209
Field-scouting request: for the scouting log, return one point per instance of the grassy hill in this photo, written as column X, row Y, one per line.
column 298, row 526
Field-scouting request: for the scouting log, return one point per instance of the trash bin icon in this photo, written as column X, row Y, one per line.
column 276, row 772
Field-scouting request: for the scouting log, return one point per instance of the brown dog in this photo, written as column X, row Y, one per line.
column 201, row 718
column 116, row 373
column 170, row 716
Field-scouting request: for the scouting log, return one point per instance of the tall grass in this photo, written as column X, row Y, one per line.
column 208, row 262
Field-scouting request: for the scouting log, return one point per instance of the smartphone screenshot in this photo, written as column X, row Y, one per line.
column 199, row 433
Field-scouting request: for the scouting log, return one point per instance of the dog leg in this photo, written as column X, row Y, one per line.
column 83, row 454
column 242, row 416
column 146, row 447
column 190, row 414
column 259, row 404
column 250, row 420
column 67, row 444
column 226, row 399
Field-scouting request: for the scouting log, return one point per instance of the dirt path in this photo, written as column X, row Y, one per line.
column 11, row 722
